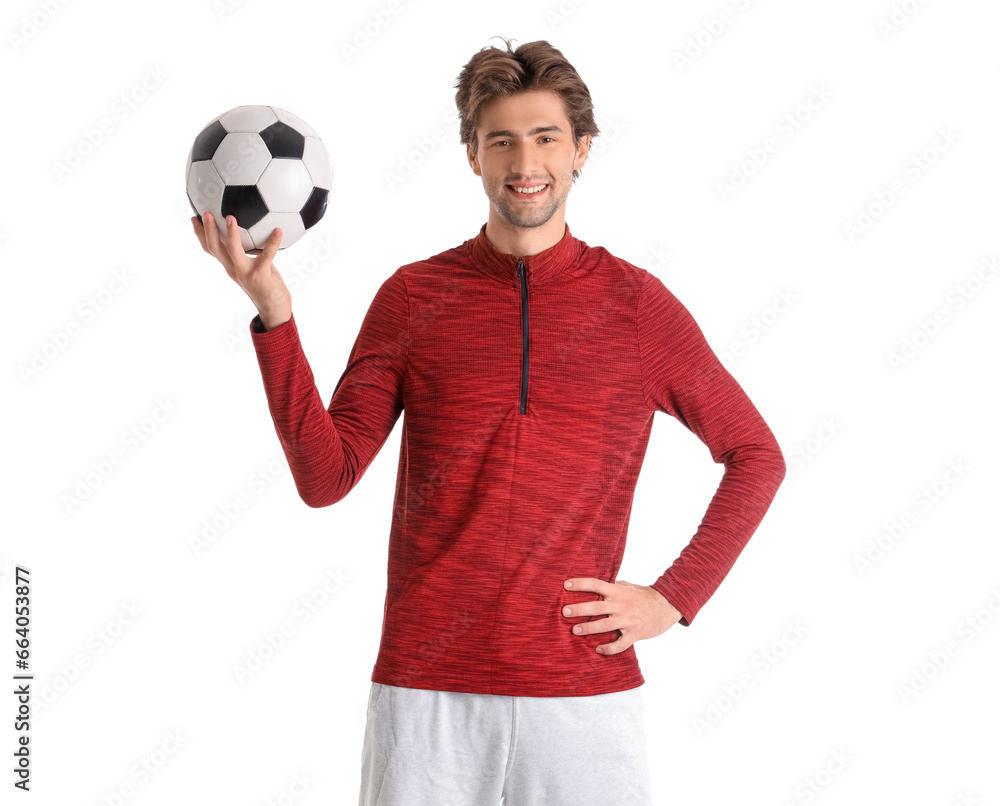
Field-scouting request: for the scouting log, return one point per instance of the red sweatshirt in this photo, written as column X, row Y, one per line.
column 529, row 386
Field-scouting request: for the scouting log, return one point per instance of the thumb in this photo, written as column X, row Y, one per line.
column 271, row 245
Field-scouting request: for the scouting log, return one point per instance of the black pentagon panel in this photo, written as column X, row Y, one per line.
column 314, row 208
column 206, row 142
column 283, row 141
column 244, row 202
column 197, row 212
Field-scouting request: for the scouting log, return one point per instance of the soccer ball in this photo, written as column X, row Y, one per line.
column 264, row 166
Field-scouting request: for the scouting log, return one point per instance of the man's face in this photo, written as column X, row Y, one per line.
column 526, row 140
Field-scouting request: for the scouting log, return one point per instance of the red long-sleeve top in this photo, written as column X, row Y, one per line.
column 529, row 387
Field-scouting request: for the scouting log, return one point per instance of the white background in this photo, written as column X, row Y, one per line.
column 739, row 708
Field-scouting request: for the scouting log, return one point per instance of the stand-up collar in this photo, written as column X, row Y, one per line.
column 538, row 268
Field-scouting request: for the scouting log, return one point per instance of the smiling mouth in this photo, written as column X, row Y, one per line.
column 536, row 190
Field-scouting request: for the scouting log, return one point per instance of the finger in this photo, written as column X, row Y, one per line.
column 199, row 230
column 271, row 245
column 615, row 647
column 598, row 607
column 212, row 234
column 234, row 244
column 599, row 625
column 588, row 584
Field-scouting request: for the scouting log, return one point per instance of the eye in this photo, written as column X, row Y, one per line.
column 500, row 142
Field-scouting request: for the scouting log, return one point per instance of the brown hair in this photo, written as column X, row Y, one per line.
column 495, row 73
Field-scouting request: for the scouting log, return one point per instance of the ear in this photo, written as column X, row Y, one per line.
column 473, row 160
column 582, row 152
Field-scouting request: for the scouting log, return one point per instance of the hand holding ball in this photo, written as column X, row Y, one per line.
column 257, row 178
column 265, row 167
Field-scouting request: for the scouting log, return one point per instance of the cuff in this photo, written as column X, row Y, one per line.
column 670, row 591
column 274, row 347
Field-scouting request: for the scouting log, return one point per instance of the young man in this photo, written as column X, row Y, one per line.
column 529, row 366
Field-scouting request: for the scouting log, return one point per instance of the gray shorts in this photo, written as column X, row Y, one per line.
column 450, row 748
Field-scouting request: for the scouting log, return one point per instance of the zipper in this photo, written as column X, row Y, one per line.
column 524, row 334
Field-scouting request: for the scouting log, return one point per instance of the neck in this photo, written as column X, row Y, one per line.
column 525, row 241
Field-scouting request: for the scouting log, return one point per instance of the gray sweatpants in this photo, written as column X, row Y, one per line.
column 447, row 748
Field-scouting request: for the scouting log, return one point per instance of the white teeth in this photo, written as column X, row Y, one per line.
column 530, row 190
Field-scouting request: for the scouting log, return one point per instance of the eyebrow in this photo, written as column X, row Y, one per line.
column 532, row 133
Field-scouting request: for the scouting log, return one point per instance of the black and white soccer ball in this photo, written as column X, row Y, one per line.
column 266, row 167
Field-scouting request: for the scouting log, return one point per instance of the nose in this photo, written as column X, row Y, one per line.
column 525, row 164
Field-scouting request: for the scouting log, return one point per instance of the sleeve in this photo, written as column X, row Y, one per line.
column 329, row 449
column 685, row 379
